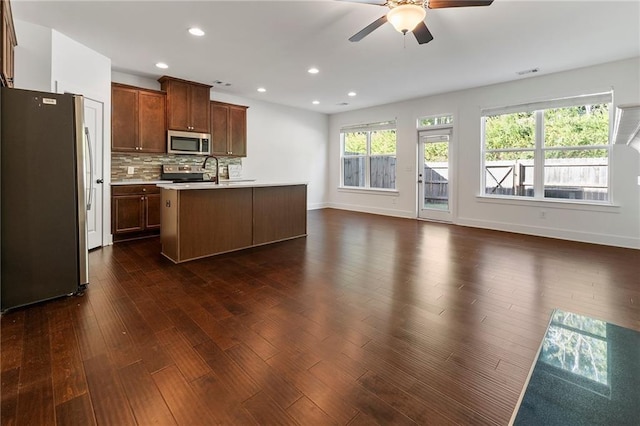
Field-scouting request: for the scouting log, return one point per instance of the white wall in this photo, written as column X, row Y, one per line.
column 614, row 225
column 283, row 144
column 33, row 56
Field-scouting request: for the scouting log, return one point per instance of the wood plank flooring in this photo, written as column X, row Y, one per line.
column 368, row 320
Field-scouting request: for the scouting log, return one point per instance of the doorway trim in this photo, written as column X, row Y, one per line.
column 437, row 214
column 60, row 86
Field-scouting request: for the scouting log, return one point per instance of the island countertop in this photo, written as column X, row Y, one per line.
column 225, row 184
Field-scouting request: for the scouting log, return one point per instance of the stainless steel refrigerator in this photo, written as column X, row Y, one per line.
column 43, row 233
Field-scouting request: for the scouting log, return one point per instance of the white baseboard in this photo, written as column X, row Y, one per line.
column 562, row 234
column 384, row 212
column 317, row 206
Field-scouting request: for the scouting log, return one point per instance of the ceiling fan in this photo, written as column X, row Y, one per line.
column 408, row 15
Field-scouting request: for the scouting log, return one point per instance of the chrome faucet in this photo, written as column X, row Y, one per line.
column 204, row 165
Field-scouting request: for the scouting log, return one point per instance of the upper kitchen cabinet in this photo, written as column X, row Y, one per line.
column 7, row 44
column 228, row 129
column 137, row 119
column 187, row 104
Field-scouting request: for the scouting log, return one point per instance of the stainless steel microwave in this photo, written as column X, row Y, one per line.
column 188, row 143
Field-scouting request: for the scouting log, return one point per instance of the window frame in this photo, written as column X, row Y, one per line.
column 368, row 129
column 539, row 149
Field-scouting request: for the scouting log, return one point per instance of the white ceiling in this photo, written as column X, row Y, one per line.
column 272, row 44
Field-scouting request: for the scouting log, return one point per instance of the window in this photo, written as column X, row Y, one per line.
column 435, row 120
column 555, row 149
column 369, row 156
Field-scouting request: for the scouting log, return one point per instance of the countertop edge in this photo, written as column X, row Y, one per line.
column 200, row 186
column 139, row 182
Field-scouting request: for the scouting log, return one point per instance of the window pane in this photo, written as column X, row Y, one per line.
column 435, row 121
column 577, row 126
column 436, row 174
column 576, row 174
column 355, row 143
column 509, row 173
column 383, row 142
column 354, row 171
column 515, row 130
column 383, row 172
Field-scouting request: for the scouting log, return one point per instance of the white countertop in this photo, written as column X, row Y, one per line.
column 224, row 185
column 139, row 182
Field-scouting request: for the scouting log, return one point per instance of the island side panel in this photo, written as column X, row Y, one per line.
column 169, row 224
column 214, row 221
column 279, row 213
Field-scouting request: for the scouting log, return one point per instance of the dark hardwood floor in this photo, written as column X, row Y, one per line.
column 368, row 320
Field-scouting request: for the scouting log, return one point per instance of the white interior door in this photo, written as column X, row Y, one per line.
column 434, row 177
column 93, row 119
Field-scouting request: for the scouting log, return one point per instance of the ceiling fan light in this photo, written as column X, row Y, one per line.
column 406, row 17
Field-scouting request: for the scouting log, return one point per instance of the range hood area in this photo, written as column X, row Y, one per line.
column 626, row 129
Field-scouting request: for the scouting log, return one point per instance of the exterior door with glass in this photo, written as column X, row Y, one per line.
column 434, row 177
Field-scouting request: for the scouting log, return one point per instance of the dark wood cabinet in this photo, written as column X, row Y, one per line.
column 7, row 44
column 205, row 222
column 135, row 211
column 137, row 119
column 279, row 213
column 228, row 129
column 187, row 104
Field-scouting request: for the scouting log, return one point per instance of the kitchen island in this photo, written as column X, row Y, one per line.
column 204, row 219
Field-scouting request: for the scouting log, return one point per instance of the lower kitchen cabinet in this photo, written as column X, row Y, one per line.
column 202, row 222
column 135, row 211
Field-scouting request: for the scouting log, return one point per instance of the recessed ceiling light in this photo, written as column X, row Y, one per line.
column 315, row 102
column 196, row 32
column 261, row 89
column 313, row 71
column 162, row 65
column 351, row 94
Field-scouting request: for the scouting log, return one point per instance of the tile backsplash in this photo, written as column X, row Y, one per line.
column 148, row 166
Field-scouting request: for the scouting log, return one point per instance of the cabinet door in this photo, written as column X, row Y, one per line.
column 219, row 129
column 152, row 210
column 152, row 134
column 238, row 131
column 178, row 103
column 124, row 119
column 199, row 109
column 127, row 213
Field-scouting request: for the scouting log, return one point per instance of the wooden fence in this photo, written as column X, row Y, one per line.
column 382, row 175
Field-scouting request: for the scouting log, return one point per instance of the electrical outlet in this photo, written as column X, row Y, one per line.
column 130, row 170
column 543, row 214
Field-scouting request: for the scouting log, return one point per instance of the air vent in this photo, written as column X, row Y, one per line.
column 531, row 71
column 343, row 104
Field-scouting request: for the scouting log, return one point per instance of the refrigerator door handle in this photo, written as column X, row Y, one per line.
column 83, row 252
column 88, row 141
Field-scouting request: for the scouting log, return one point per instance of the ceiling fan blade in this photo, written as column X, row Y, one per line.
column 369, row 29
column 422, row 33
column 441, row 4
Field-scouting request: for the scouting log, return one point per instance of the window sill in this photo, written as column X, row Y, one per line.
column 376, row 191
column 550, row 203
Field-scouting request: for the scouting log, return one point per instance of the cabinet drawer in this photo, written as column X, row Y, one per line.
column 134, row 189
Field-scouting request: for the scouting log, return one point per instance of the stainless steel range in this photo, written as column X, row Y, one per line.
column 184, row 173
